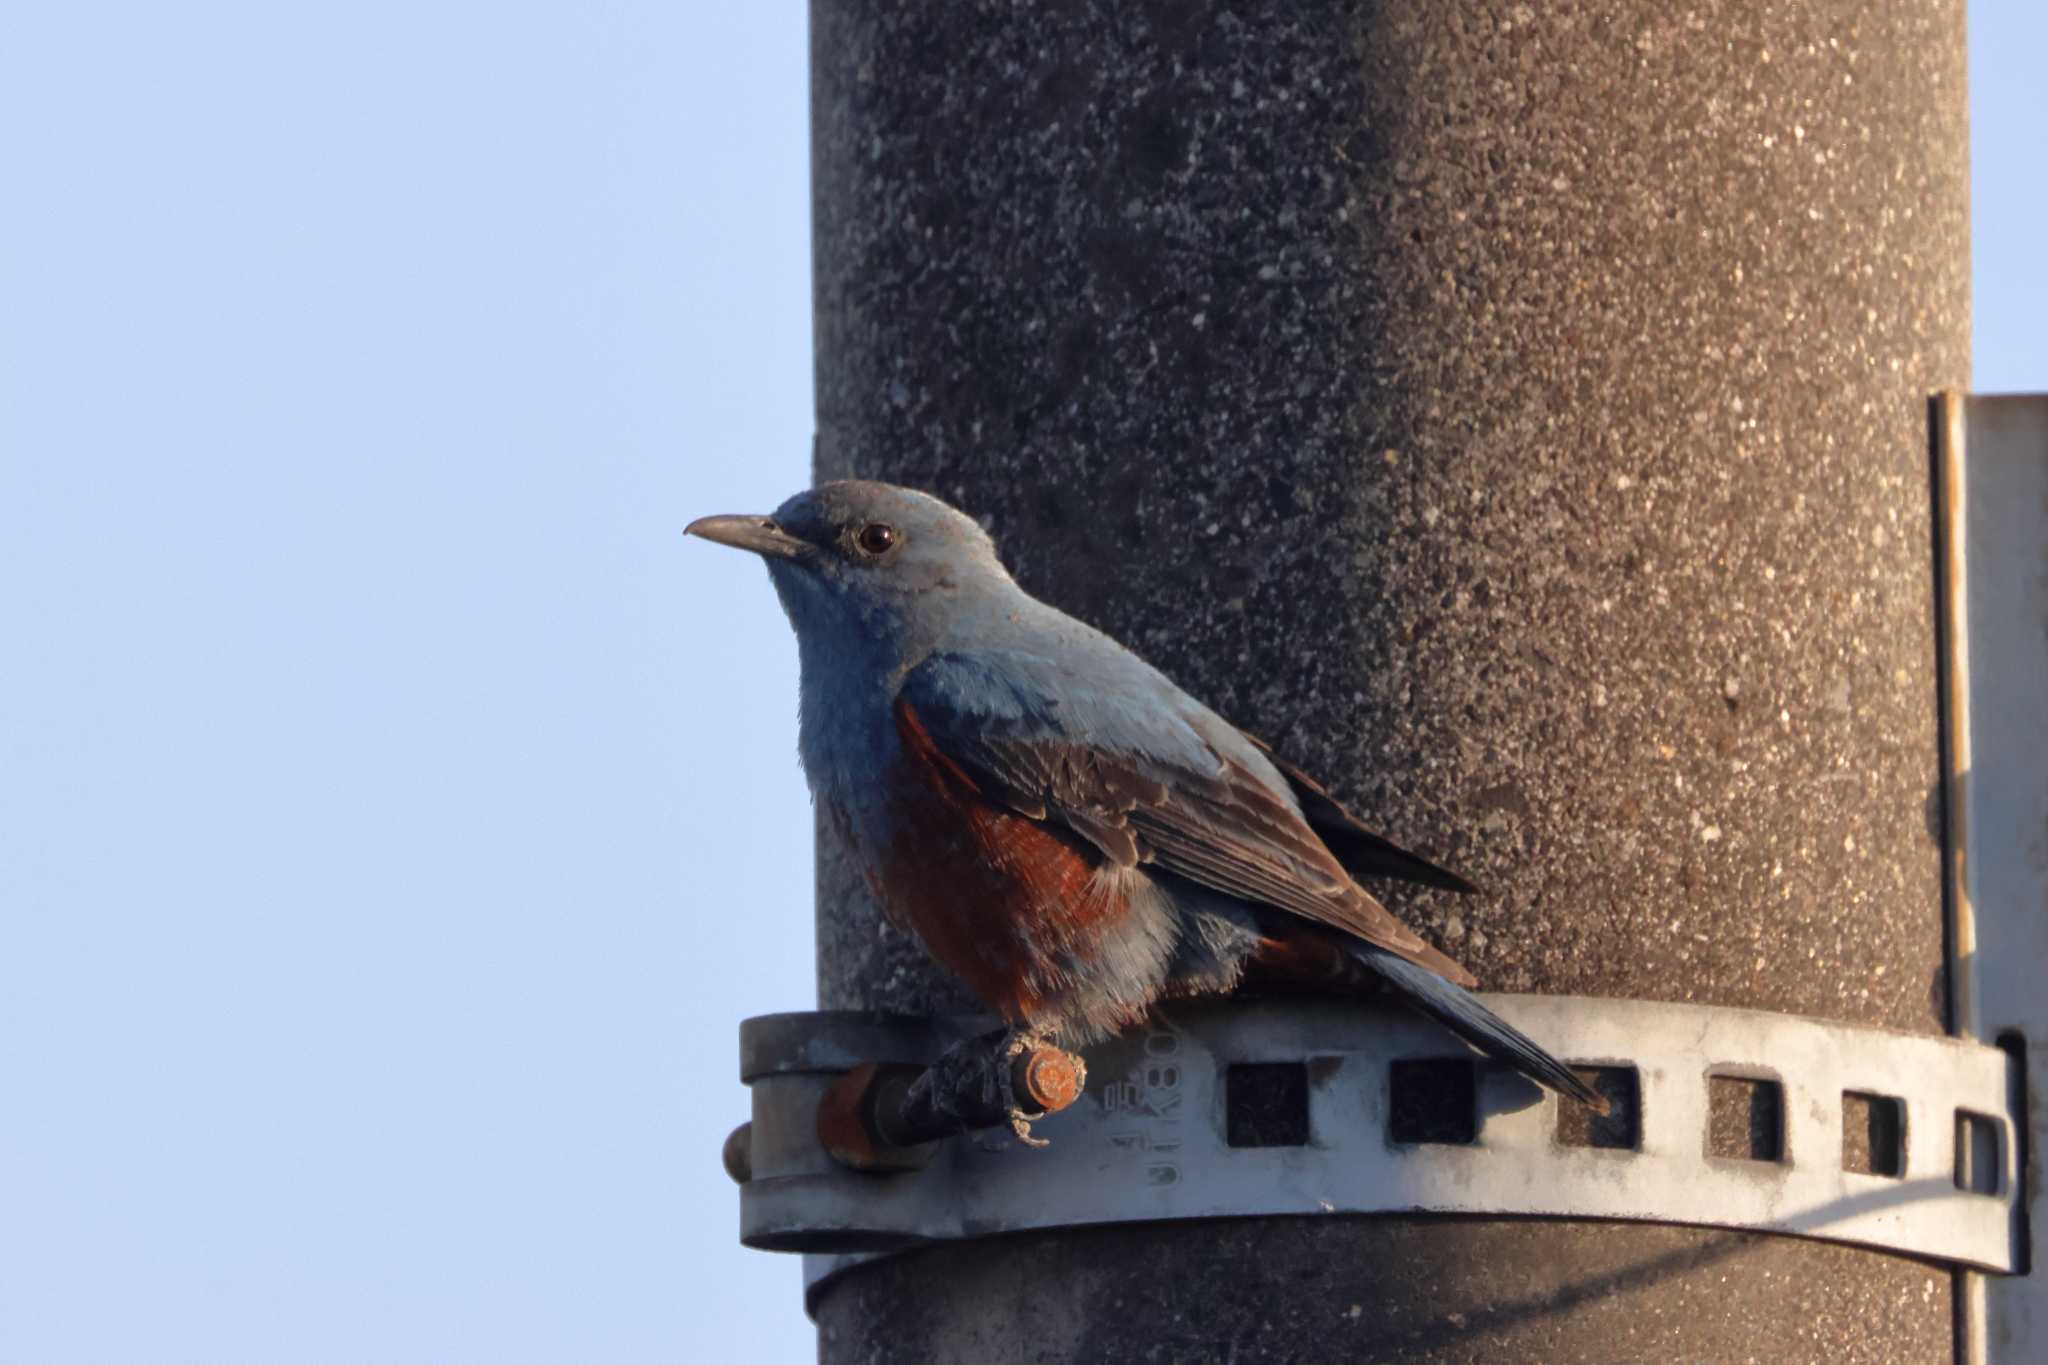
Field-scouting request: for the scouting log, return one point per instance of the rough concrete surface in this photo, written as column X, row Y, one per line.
column 1254, row 1292
column 1514, row 412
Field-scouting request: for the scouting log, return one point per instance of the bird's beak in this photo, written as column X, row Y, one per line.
column 758, row 534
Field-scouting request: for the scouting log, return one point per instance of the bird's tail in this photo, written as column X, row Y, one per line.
column 1460, row 1011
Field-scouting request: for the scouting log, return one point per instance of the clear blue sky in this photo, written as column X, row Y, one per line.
column 396, row 816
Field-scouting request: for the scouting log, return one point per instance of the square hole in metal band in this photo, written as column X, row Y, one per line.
column 1873, row 1134
column 1976, row 1153
column 1433, row 1100
column 1745, row 1118
column 1620, row 1128
column 1265, row 1104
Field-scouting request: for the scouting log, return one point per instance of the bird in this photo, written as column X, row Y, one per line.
column 1061, row 826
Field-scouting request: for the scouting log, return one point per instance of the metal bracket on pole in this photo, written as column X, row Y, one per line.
column 1297, row 1107
column 1991, row 530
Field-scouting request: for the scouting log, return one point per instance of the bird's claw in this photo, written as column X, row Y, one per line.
column 981, row 1083
column 1015, row 1044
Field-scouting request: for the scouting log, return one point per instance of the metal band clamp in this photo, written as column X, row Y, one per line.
column 1158, row 1133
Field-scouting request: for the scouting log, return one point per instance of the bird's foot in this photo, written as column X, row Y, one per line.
column 1012, row 1050
column 1015, row 1044
column 1007, row 1078
column 1012, row 1046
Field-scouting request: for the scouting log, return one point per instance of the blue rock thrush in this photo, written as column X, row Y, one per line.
column 1059, row 824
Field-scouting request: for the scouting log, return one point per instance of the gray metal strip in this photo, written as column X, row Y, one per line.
column 1148, row 1140
column 1992, row 505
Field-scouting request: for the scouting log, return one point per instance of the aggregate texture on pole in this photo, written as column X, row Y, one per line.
column 1518, row 416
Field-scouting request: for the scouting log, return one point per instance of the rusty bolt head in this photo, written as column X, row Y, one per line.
column 739, row 1154
column 1048, row 1079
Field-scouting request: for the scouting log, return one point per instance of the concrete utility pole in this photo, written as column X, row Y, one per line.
column 1519, row 416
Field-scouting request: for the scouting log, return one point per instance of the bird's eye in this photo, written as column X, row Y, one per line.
column 875, row 538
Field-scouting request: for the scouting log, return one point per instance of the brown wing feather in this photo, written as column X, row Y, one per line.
column 1225, row 830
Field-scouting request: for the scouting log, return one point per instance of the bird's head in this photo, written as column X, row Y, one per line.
column 867, row 562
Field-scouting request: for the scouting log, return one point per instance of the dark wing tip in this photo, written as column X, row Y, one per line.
column 1363, row 853
column 1430, row 874
column 1466, row 1016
